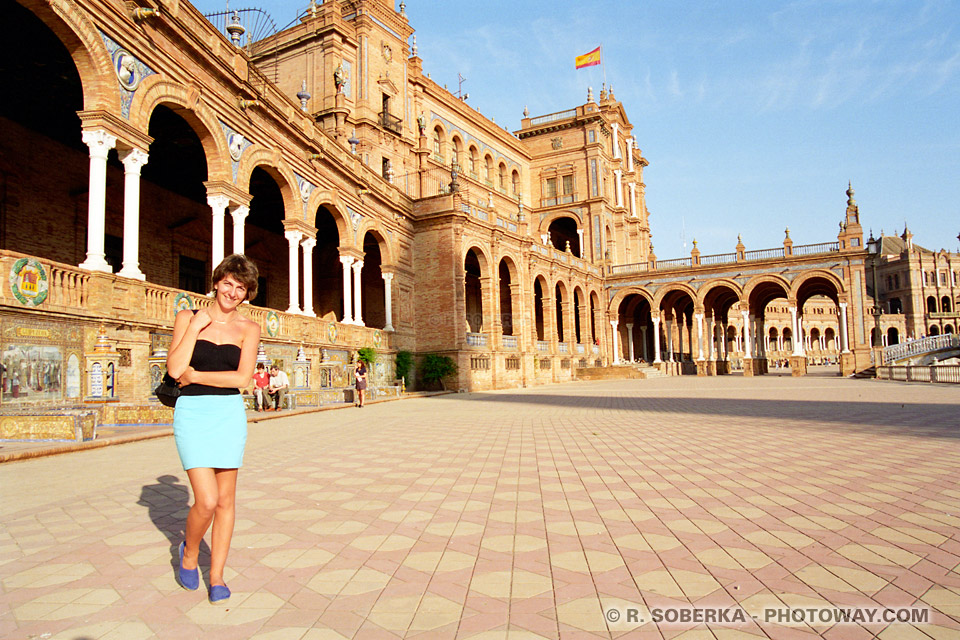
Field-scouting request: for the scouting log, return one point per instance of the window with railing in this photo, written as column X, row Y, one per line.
column 480, row 363
column 545, row 364
column 512, row 364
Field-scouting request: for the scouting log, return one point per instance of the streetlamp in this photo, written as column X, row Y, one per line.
column 873, row 248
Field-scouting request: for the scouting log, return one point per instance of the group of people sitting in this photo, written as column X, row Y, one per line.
column 269, row 389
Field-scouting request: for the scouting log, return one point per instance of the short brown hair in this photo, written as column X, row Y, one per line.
column 241, row 268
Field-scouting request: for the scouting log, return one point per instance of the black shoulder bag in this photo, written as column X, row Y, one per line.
column 168, row 391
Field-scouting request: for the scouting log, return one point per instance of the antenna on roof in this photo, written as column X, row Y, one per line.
column 460, row 94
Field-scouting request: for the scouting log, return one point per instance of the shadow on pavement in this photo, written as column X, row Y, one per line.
column 917, row 419
column 167, row 504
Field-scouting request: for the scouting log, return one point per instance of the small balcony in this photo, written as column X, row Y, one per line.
column 478, row 340
column 509, row 342
column 391, row 122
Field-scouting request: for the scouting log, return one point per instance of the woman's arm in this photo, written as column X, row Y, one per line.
column 186, row 328
column 230, row 379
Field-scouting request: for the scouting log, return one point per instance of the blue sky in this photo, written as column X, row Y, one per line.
column 752, row 114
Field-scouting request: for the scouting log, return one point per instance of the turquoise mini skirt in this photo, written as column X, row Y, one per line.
column 210, row 431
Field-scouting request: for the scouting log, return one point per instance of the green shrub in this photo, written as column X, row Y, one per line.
column 436, row 367
column 403, row 363
column 366, row 355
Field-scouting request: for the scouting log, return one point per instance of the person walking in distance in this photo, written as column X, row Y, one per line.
column 360, row 374
column 212, row 356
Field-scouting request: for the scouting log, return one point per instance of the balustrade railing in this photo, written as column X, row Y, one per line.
column 477, row 340
column 509, row 342
column 68, row 287
column 675, row 263
column 718, row 258
column 763, row 254
column 946, row 373
column 551, row 117
column 581, row 348
column 563, row 347
column 812, row 249
column 543, row 346
column 920, row 347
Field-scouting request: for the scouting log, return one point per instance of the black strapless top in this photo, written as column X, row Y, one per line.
column 208, row 356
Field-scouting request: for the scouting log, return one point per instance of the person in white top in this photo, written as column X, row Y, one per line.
column 279, row 383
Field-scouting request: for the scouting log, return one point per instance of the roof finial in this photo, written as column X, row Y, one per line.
column 850, row 192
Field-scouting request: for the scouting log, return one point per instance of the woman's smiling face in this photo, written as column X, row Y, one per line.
column 231, row 292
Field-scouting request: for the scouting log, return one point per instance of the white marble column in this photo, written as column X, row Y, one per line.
column 357, row 288
column 100, row 142
column 388, row 300
column 580, row 233
column 347, row 261
column 802, row 335
column 633, row 199
column 616, row 341
column 699, row 317
column 616, row 139
column 630, row 340
column 844, row 344
column 793, row 329
column 293, row 239
column 133, row 161
column 617, row 178
column 218, row 208
column 630, row 153
column 643, row 344
column 656, row 340
column 747, row 352
column 668, row 330
column 239, row 215
column 308, row 244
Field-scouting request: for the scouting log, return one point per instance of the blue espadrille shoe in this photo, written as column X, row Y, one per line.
column 219, row 594
column 188, row 578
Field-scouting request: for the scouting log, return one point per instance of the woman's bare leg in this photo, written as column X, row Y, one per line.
column 223, row 521
column 205, row 499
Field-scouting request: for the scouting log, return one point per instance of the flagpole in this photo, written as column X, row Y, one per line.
column 603, row 64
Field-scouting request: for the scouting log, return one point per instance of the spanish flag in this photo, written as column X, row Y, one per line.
column 591, row 59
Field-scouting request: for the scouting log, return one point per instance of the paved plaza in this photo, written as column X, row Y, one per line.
column 565, row 511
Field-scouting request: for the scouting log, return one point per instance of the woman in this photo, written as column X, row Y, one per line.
column 261, row 380
column 212, row 355
column 360, row 373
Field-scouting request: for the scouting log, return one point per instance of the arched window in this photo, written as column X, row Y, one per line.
column 893, row 336
column 895, row 305
column 456, row 148
column 934, row 330
column 931, row 304
column 488, row 170
column 474, row 157
column 438, row 144
column 515, row 181
column 945, row 304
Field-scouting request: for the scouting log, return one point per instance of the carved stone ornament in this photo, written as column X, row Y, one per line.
column 125, row 66
column 235, row 141
column 387, row 52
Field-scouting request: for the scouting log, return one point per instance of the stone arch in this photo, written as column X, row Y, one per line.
column 806, row 285
column 457, row 148
column 329, row 199
column 711, row 288
column 550, row 218
column 183, row 101
column 483, row 257
column 83, row 42
column 272, row 162
column 372, row 226
column 760, row 290
column 674, row 287
column 619, row 297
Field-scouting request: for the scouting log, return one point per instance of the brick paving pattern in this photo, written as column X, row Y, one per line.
column 520, row 514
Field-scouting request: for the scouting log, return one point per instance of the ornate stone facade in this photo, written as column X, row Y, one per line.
column 382, row 210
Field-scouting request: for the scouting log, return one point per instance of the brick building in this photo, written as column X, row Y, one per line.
column 382, row 210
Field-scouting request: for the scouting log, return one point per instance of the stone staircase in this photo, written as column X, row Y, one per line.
column 634, row 371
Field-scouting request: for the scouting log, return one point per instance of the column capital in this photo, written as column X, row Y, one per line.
column 629, row 325
column 293, row 236
column 218, row 203
column 387, row 276
column 346, row 260
column 239, row 213
column 308, row 243
column 99, row 141
column 358, row 265
column 133, row 160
